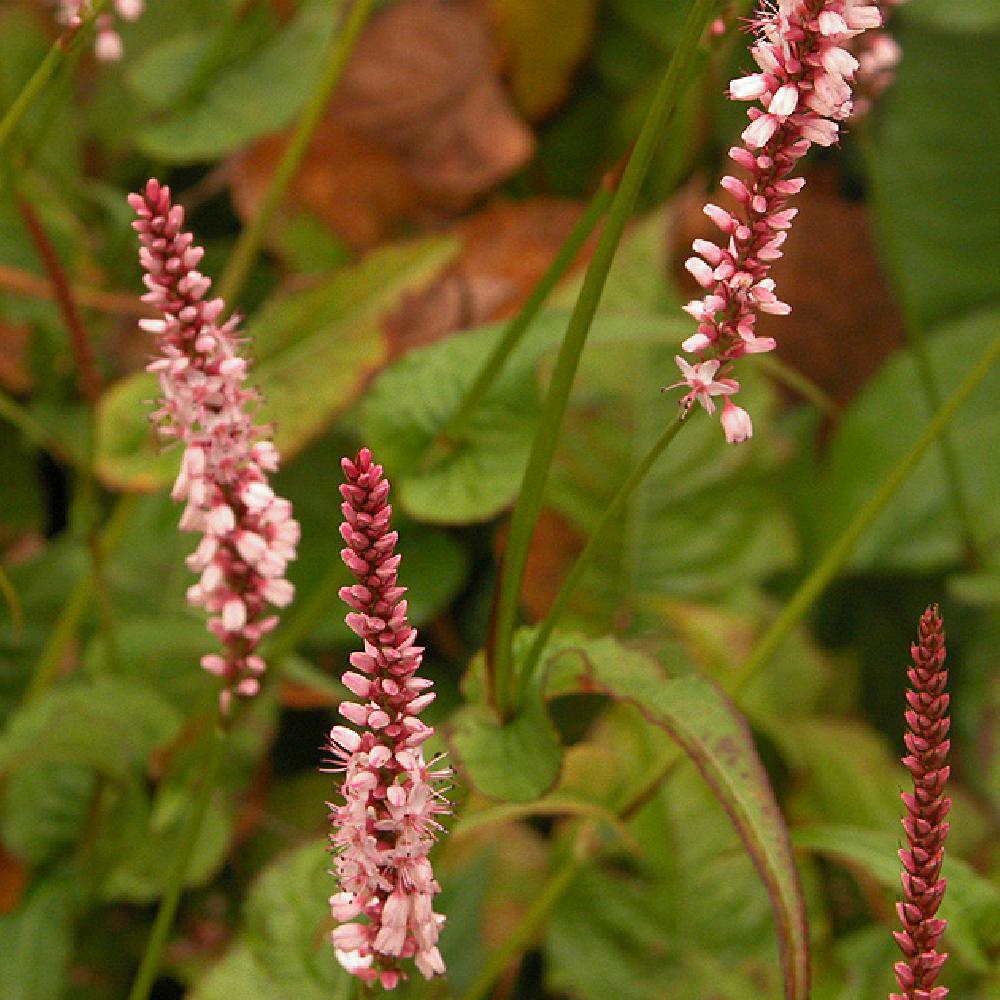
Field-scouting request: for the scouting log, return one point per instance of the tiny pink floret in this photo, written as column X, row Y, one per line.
column 803, row 89
column 107, row 42
column 385, row 827
column 248, row 534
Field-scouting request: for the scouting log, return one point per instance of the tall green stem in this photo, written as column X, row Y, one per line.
column 529, row 502
column 838, row 553
column 181, row 861
column 516, row 328
column 241, row 260
column 614, row 511
column 62, row 46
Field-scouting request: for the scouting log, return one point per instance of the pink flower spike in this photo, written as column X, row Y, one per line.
column 384, row 829
column 802, row 50
column 248, row 534
column 925, row 823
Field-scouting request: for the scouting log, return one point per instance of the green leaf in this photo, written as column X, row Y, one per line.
column 702, row 506
column 313, row 350
column 518, row 762
column 286, row 920
column 931, row 207
column 971, row 902
column 109, row 724
column 149, row 833
column 410, row 404
column 45, row 808
column 259, row 94
column 173, row 669
column 36, row 942
column 716, row 738
column 239, row 974
column 917, row 531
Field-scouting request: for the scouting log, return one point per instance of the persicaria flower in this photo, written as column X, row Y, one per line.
column 248, row 533
column 387, row 823
column 925, row 823
column 107, row 41
column 803, row 89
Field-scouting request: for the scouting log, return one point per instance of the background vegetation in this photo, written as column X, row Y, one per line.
column 457, row 153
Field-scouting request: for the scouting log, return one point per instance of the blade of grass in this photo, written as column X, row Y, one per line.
column 500, row 653
column 251, row 239
column 61, row 47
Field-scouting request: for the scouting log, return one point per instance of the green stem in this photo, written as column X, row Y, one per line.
column 536, row 474
column 519, row 324
column 54, row 651
column 838, row 553
column 182, row 859
column 515, row 942
column 62, row 46
column 10, row 595
column 614, row 511
column 248, row 245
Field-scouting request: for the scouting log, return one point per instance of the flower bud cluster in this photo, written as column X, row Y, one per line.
column 383, row 831
column 925, row 823
column 107, row 42
column 802, row 91
column 248, row 533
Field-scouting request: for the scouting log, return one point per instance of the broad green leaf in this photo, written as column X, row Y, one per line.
column 161, row 73
column 518, row 762
column 257, row 95
column 708, row 518
column 313, row 350
column 971, row 902
column 172, row 669
column 409, row 405
column 151, row 833
column 36, row 942
column 933, row 209
column 238, row 974
column 718, row 741
column 287, row 920
column 44, row 809
column 917, row 531
column 685, row 895
column 108, row 724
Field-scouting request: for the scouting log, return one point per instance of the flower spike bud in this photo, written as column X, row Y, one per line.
column 384, row 829
column 925, row 823
column 248, row 534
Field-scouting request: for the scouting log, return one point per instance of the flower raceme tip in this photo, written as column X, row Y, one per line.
column 802, row 90
column 925, row 823
column 248, row 533
column 387, row 823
